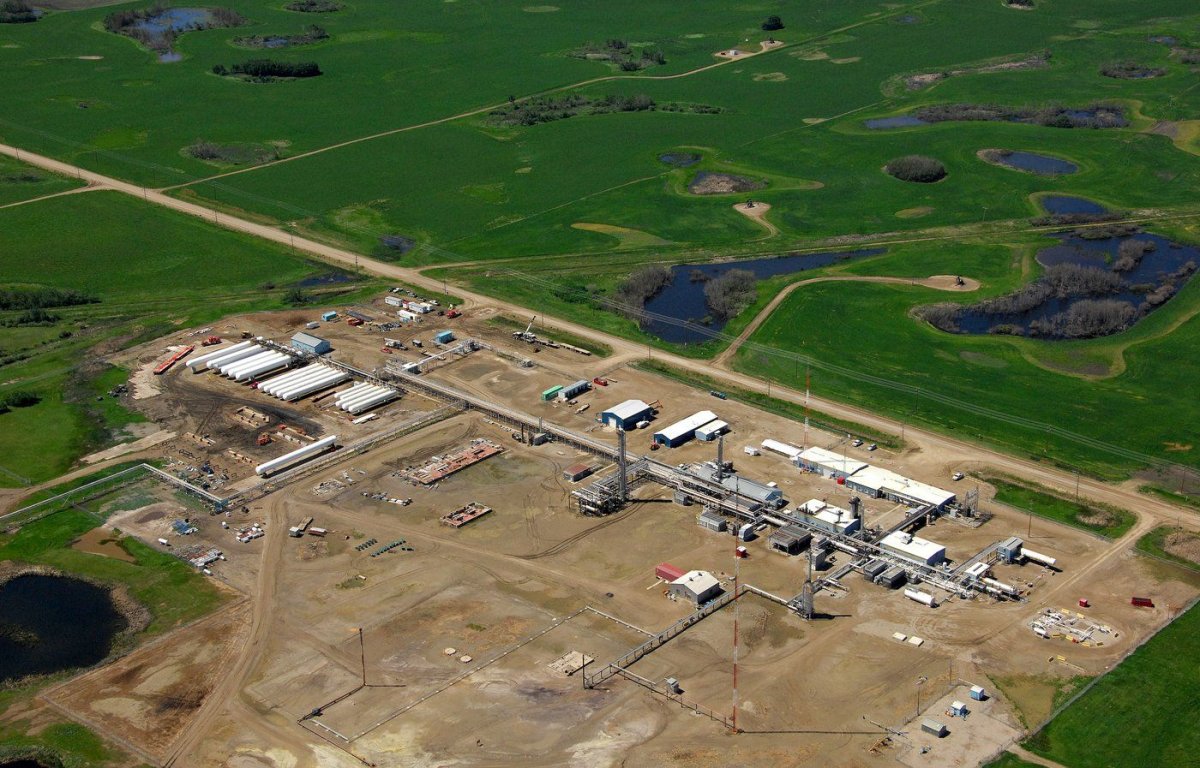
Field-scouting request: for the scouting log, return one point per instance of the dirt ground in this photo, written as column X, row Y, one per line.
column 512, row 592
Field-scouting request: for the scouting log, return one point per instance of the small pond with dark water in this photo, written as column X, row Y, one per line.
column 1068, row 204
column 159, row 27
column 900, row 121
column 683, row 298
column 1135, row 288
column 52, row 623
column 1042, row 165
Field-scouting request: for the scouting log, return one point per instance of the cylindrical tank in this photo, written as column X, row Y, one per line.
column 358, row 387
column 199, row 363
column 1007, row 589
column 1038, row 557
column 379, row 399
column 241, row 354
column 228, row 368
column 328, row 380
column 360, row 397
column 924, row 598
column 289, row 380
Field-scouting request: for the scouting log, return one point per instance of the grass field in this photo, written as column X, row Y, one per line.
column 1106, row 521
column 1009, row 760
column 152, row 271
column 1147, row 707
column 1152, row 544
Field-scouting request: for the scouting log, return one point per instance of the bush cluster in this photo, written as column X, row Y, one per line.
column 17, row 12
column 312, row 34
column 1055, row 116
column 634, row 291
column 619, row 52
column 917, row 168
column 313, row 6
column 21, row 398
column 1131, row 70
column 729, row 294
column 39, row 297
column 266, row 70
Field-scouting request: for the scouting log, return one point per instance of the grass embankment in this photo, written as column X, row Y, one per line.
column 153, row 272
column 1098, row 518
column 1009, row 760
column 70, row 485
column 764, row 402
column 1171, row 496
column 1143, row 713
column 597, row 348
column 1172, row 543
column 64, row 745
column 1035, row 697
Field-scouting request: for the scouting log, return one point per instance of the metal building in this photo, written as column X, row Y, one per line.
column 695, row 586
column 1009, row 550
column 577, row 472
column 790, row 540
column 682, row 431
column 828, row 518
column 712, row 520
column 767, row 495
column 913, row 548
column 710, row 430
column 574, row 390
column 626, row 415
column 929, row 725
column 313, row 345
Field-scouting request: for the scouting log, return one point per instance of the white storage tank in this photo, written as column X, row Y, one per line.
column 924, row 598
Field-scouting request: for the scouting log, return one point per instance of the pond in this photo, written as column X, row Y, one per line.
column 683, row 298
column 51, row 623
column 900, row 121
column 1042, row 165
column 1065, row 205
column 1135, row 287
column 331, row 279
column 174, row 20
column 679, row 159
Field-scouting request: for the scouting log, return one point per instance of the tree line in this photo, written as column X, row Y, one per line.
column 266, row 70
column 17, row 12
column 39, row 297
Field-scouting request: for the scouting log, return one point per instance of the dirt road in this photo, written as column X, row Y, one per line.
column 959, row 451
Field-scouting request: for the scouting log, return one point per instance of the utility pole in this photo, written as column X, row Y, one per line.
column 920, row 681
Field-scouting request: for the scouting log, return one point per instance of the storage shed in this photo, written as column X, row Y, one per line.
column 696, row 587
column 712, row 520
column 443, row 337
column 574, row 390
column 577, row 472
column 626, row 415
column 550, row 393
column 929, row 725
column 789, row 540
column 330, row 315
column 313, row 345
column 682, row 431
column 711, row 430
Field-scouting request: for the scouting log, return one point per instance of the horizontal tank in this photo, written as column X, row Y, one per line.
column 228, row 368
column 924, row 598
column 1038, row 557
column 296, row 456
column 266, row 366
column 241, row 354
column 362, row 396
column 197, row 364
column 358, row 387
column 380, row 399
column 307, row 388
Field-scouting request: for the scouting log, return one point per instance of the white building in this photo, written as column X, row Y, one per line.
column 914, row 548
column 695, row 586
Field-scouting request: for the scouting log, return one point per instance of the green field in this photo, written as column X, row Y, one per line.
column 152, row 271
column 1106, row 521
column 1140, row 714
column 554, row 214
column 1152, row 544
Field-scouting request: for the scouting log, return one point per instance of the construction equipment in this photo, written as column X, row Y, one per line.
column 526, row 334
column 354, row 321
column 453, row 313
column 175, row 358
column 210, row 341
column 264, row 439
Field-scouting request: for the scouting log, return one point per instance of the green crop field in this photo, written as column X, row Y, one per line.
column 150, row 271
column 1142, row 713
column 395, row 142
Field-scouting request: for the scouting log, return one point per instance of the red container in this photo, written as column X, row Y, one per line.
column 667, row 572
column 1083, row 603
column 841, row 481
column 1142, row 602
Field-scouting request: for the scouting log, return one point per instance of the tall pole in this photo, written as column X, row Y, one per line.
column 362, row 653
column 736, row 609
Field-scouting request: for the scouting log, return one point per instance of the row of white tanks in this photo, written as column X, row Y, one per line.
column 242, row 362
column 364, row 396
column 303, row 381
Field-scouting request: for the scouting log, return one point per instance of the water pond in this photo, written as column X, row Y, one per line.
column 1068, row 204
column 1132, row 275
column 52, row 623
column 174, row 20
column 1042, row 165
column 900, row 121
column 679, row 159
column 682, row 300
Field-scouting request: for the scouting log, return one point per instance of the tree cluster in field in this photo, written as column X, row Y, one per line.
column 314, row 6
column 729, row 294
column 916, row 168
column 21, row 398
column 231, row 154
column 268, row 70
column 1054, row 116
column 17, row 12
column 128, row 23
column 772, row 24
column 1189, row 55
column 634, row 291
column 1131, row 70
column 618, row 52
column 547, row 109
column 41, row 297
column 311, row 34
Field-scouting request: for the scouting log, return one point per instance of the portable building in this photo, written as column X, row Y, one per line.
column 577, row 472
column 978, row 693
column 550, row 393
column 408, row 316
column 696, row 587
column 790, row 540
column 712, row 521
column 682, row 431
column 574, row 390
column 929, row 725
column 829, row 464
column 626, row 415
column 711, row 430
column 330, row 315
column 313, row 345
column 393, row 301
column 668, row 572
column 958, row 709
column 1009, row 550
column 443, row 337
column 913, row 548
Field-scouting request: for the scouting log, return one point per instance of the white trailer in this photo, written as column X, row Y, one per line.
column 296, row 456
column 197, row 364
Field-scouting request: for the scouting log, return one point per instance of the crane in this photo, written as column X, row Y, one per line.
column 526, row 334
